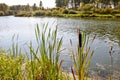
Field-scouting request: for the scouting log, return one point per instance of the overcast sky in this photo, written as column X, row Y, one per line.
column 46, row 3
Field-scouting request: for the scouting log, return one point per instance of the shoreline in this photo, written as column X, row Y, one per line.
column 84, row 16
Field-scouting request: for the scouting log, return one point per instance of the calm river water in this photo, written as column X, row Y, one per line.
column 107, row 31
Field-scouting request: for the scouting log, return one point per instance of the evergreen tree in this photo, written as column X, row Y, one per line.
column 41, row 5
column 28, row 7
column 59, row 3
column 34, row 7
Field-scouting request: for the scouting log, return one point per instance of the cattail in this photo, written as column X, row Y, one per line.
column 80, row 39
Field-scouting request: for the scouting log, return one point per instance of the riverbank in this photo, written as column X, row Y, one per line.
column 63, row 12
column 70, row 13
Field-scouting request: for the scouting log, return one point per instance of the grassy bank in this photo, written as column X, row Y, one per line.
column 62, row 12
column 43, row 62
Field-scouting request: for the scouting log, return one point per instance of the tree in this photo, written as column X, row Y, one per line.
column 41, row 5
column 27, row 7
column 3, row 7
column 59, row 3
column 65, row 2
column 34, row 7
column 116, row 2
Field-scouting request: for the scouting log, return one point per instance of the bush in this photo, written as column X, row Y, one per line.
column 72, row 12
column 1, row 13
column 115, row 12
column 108, row 10
column 39, row 13
column 20, row 14
column 87, row 12
column 103, row 11
column 9, row 12
column 23, row 14
column 55, row 12
column 65, row 11
column 117, row 15
column 48, row 13
column 87, row 7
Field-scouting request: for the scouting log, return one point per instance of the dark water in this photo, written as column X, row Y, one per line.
column 107, row 31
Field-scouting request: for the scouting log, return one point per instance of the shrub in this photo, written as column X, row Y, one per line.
column 20, row 14
column 1, row 13
column 72, row 12
column 87, row 12
column 103, row 11
column 65, row 11
column 115, row 11
column 48, row 13
column 117, row 15
column 39, row 13
column 87, row 7
column 9, row 12
column 28, row 14
column 108, row 10
column 55, row 12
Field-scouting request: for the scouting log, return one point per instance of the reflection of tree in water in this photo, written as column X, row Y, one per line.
column 103, row 31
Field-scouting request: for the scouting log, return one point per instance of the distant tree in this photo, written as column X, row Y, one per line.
column 27, row 7
column 59, row 3
column 34, row 7
column 41, row 4
column 3, row 7
column 86, row 1
column 116, row 2
column 65, row 2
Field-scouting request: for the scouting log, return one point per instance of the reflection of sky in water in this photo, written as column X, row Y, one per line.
column 106, row 33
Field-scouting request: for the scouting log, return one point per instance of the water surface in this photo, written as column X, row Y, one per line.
column 107, row 31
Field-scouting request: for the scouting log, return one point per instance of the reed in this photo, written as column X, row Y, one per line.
column 48, row 50
column 82, row 58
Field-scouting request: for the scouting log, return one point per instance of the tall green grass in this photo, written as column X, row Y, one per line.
column 48, row 50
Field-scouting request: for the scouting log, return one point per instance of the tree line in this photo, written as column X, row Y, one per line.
column 8, row 10
column 97, row 3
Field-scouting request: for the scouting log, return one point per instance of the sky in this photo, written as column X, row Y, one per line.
column 46, row 3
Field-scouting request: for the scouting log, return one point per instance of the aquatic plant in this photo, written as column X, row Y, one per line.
column 83, row 57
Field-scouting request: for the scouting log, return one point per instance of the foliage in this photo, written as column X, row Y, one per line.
column 1, row 13
column 55, row 12
column 115, row 11
column 34, row 7
column 103, row 10
column 41, row 5
column 3, row 7
column 61, row 3
column 82, row 58
column 72, row 12
column 23, row 14
column 87, row 7
column 117, row 15
column 48, row 13
column 10, row 67
column 39, row 13
column 65, row 11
